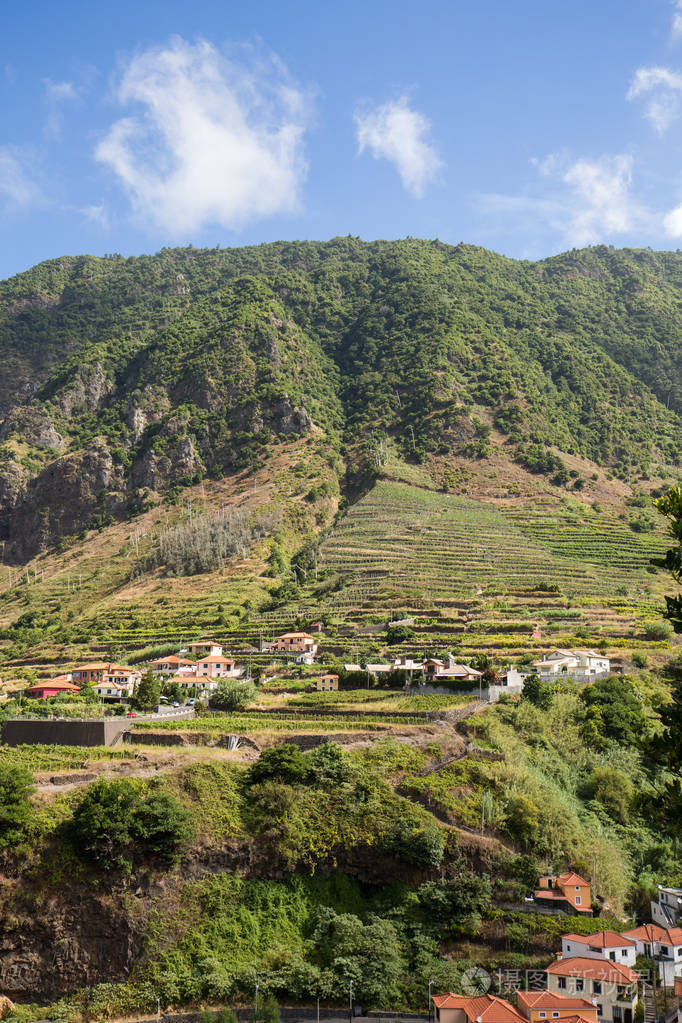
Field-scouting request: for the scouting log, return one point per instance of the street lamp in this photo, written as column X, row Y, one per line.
column 430, row 983
column 255, row 1012
column 158, row 1009
column 350, row 1004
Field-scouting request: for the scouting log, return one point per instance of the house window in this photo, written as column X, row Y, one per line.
column 555, row 1015
column 543, row 1015
column 578, row 900
column 596, row 987
column 612, row 956
column 600, row 1011
column 623, row 951
column 562, row 983
column 579, row 984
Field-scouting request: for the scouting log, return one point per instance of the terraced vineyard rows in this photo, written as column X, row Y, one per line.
column 437, row 546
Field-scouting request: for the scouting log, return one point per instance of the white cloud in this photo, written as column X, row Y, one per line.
column 586, row 201
column 662, row 88
column 676, row 26
column 395, row 132
column 211, row 141
column 96, row 215
column 56, row 93
column 17, row 187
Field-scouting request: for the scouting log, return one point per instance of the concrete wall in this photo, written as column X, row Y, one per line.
column 43, row 731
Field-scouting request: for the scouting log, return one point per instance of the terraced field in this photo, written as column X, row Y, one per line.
column 439, row 548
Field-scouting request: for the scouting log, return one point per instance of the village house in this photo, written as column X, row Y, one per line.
column 205, row 648
column 666, row 908
column 613, row 986
column 453, row 1008
column 433, row 668
column 95, row 672
column 292, row 643
column 58, row 686
column 662, row 944
column 218, row 666
column 603, row 945
column 538, row 1006
column 111, row 690
column 326, row 683
column 565, row 893
column 581, row 665
column 170, row 665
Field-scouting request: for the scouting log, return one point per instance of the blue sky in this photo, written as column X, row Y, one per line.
column 528, row 128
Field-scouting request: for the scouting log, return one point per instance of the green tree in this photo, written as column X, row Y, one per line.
column 148, row 692
column 671, row 506
column 613, row 711
column 399, row 634
column 283, row 763
column 162, row 827
column 536, row 692
column 16, row 786
column 420, row 845
column 232, row 694
column 613, row 790
column 329, row 764
column 114, row 823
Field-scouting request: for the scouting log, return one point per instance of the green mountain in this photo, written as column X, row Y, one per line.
column 129, row 378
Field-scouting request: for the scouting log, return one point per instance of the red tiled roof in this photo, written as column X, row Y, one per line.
column 597, row 969
column 573, row 878
column 54, row 683
column 487, row 1008
column 673, row 936
column 173, row 659
column 216, row 659
column 295, row 635
column 551, row 1000
column 647, row 932
column 602, row 939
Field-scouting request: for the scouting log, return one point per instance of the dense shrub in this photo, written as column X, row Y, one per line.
column 283, row 763
column 16, row 786
column 232, row 694
column 114, row 824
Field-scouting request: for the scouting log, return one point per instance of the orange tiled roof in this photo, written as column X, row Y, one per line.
column 487, row 1008
column 602, row 939
column 572, row 878
column 54, row 683
column 647, row 932
column 551, row 1000
column 597, row 969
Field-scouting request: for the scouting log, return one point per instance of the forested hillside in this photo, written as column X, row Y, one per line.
column 126, row 378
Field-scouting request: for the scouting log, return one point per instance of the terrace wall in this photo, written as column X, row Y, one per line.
column 36, row 731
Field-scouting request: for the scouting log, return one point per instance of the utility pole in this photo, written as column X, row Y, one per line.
column 350, row 1004
column 430, row 983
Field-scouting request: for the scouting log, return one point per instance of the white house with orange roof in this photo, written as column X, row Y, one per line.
column 92, row 672
column 664, row 945
column 565, row 893
column 169, row 665
column 205, row 648
column 111, row 690
column 612, row 985
column 603, row 945
column 292, row 643
column 539, row 1006
column 218, row 666
column 581, row 665
column 451, row 1008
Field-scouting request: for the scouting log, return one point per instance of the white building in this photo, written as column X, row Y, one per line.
column 666, row 909
column 617, row 948
column 663, row 945
column 581, row 665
